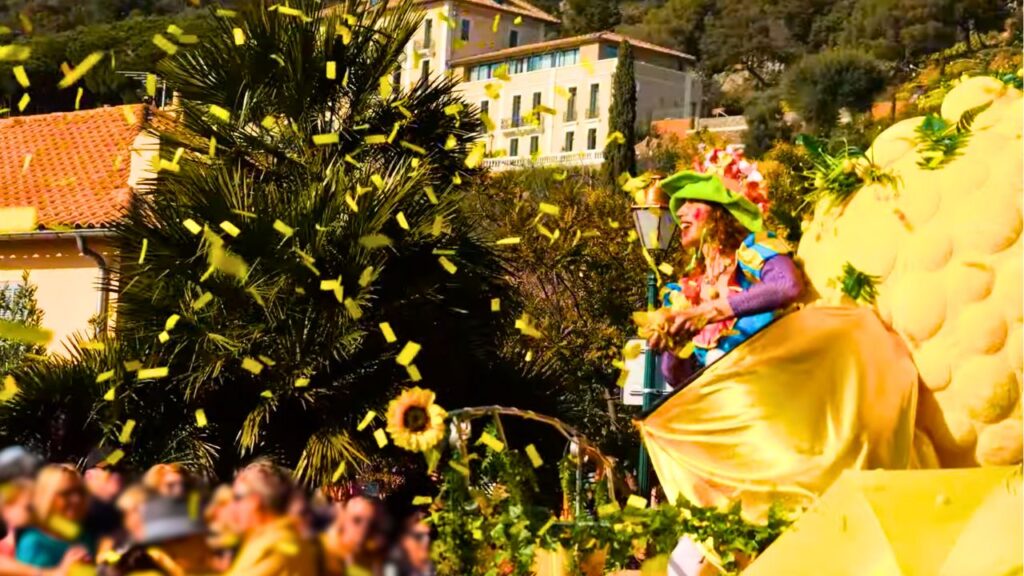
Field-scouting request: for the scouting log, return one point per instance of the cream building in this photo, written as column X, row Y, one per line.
column 573, row 78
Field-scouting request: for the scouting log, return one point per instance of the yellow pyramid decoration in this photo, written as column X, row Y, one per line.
column 947, row 249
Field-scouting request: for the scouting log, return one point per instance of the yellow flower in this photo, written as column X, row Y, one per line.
column 414, row 421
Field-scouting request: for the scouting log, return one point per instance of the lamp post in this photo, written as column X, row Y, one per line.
column 655, row 226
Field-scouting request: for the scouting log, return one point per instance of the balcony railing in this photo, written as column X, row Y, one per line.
column 421, row 45
column 522, row 125
column 589, row 158
column 514, row 122
column 593, row 113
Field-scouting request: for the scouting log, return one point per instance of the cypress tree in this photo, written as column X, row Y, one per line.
column 620, row 155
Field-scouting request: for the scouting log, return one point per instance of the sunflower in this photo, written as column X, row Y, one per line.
column 414, row 421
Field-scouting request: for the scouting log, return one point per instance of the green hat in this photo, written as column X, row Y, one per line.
column 689, row 185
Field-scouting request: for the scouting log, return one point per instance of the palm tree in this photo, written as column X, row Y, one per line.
column 294, row 212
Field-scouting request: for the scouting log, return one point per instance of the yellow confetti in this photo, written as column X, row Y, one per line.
column 547, row 526
column 111, row 392
column 211, row 151
column 353, row 309
column 488, row 123
column 192, row 226
column 18, row 219
column 375, row 139
column 345, row 32
column 459, row 467
column 252, row 365
column 414, row 373
column 230, row 228
column 78, row 98
column 429, row 191
column 394, row 132
column 114, row 457
column 476, row 155
column 493, row 92
column 201, row 418
column 588, row 66
column 63, row 527
column 301, row 382
column 491, row 442
column 338, row 471
column 22, row 333
column 126, row 432
column 104, row 376
column 422, row 501
column 153, row 373
column 413, row 147
column 163, row 337
column 560, row 176
column 81, row 70
column 332, row 70
column 635, row 501
column 508, row 241
column 267, row 394
column 225, row 13
column 351, row 202
column 501, row 73
column 202, row 301
column 524, row 324
column 495, row 304
column 284, row 229
column 21, row 76
column 386, row 87
column 380, row 437
column 171, row 322
column 175, row 30
column 23, row 103
column 370, row 415
column 451, row 142
column 448, row 265
column 10, row 388
column 287, row 11
column 609, row 508
column 408, row 353
column 372, row 241
column 615, row 137
column 142, row 252
column 389, row 334
column 549, row 209
column 132, row 366
column 219, row 113
column 497, row 21
column 438, row 226
column 366, row 276
column 15, row 53
column 239, row 36
column 534, row 456
column 164, row 44
column 326, row 139
column 666, row 268
column 518, row 20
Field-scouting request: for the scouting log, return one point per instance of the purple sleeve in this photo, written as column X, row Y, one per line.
column 675, row 369
column 780, row 286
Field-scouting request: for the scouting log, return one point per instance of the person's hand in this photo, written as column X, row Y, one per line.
column 688, row 320
column 74, row 555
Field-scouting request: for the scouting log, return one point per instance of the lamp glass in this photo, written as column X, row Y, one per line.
column 654, row 225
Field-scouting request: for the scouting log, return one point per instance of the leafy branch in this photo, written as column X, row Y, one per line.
column 859, row 286
column 940, row 141
column 838, row 176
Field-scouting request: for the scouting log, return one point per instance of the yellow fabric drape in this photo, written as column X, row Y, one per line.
column 818, row 392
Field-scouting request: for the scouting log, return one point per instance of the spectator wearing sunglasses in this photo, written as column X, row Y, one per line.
column 271, row 542
column 59, row 507
column 412, row 549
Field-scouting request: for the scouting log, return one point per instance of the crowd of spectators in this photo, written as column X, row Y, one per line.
column 95, row 518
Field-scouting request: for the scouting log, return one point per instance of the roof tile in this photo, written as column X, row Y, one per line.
column 72, row 166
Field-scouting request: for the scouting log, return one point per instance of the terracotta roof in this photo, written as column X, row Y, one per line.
column 558, row 43
column 72, row 166
column 520, row 7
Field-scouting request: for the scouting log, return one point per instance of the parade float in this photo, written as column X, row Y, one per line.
column 904, row 354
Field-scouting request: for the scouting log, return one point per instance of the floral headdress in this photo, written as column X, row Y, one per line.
column 737, row 173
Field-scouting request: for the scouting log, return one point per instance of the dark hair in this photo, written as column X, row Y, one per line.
column 724, row 229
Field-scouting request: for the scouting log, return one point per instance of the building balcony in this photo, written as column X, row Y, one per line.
column 570, row 115
column 522, row 125
column 593, row 113
column 423, row 46
column 587, row 158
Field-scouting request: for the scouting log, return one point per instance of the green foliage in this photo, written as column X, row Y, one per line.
column 620, row 157
column 586, row 16
column 939, row 141
column 490, row 523
column 821, row 85
column 128, row 46
column 580, row 276
column 766, row 124
column 784, row 168
column 754, row 37
column 859, row 286
column 18, row 304
column 836, row 176
column 49, row 16
column 677, row 24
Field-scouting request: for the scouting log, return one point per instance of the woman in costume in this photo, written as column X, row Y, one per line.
column 741, row 277
column 783, row 402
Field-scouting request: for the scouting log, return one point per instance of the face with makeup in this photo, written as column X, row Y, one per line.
column 693, row 222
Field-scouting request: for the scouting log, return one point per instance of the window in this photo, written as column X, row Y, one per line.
column 513, row 38
column 570, row 106
column 485, row 107
column 534, row 145
column 570, row 141
column 592, row 139
column 513, row 147
column 595, row 92
column 425, row 70
column 607, row 52
column 517, row 104
column 536, row 100
column 428, row 33
column 465, row 30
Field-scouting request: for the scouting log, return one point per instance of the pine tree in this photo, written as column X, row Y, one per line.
column 620, row 154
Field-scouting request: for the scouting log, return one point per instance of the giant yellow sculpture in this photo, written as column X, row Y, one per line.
column 947, row 250
column 928, row 375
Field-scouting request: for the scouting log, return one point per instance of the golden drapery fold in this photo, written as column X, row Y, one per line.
column 820, row 391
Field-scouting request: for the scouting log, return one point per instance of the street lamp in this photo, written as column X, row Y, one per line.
column 655, row 226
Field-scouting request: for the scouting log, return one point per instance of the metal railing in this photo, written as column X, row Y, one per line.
column 593, row 113
column 423, row 45
column 588, row 158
